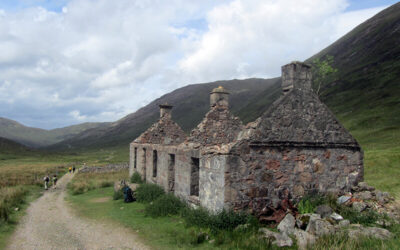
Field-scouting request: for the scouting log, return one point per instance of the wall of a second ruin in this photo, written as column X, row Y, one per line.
column 170, row 160
column 183, row 173
column 259, row 177
column 212, row 181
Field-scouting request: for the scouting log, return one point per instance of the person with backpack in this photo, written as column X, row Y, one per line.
column 73, row 169
column 128, row 194
column 54, row 181
column 46, row 181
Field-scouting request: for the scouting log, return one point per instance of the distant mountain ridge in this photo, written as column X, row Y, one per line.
column 36, row 137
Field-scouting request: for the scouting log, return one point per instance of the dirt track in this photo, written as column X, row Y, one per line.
column 49, row 224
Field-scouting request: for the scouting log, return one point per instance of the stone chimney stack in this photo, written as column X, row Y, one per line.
column 296, row 75
column 219, row 96
column 165, row 110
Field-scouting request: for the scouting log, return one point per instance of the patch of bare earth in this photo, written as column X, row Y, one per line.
column 50, row 224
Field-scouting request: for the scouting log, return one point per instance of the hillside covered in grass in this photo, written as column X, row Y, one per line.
column 36, row 137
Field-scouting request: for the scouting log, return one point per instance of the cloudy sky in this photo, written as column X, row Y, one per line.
column 65, row 62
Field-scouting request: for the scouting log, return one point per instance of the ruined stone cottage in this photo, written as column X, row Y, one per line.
column 297, row 146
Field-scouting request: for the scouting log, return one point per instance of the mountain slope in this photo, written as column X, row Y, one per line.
column 366, row 94
column 190, row 105
column 10, row 149
column 35, row 137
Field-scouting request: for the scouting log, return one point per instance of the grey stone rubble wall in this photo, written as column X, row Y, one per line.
column 181, row 172
column 218, row 126
column 165, row 131
column 104, row 169
column 300, row 117
column 260, row 177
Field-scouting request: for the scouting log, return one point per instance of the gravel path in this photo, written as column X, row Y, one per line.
column 50, row 224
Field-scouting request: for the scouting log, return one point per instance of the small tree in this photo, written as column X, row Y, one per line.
column 321, row 70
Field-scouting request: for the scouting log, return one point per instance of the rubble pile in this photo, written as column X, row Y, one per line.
column 307, row 228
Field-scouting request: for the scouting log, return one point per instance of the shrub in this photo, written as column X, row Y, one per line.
column 305, row 207
column 118, row 194
column 224, row 220
column 228, row 220
column 165, row 205
column 367, row 217
column 136, row 178
column 196, row 217
column 148, row 192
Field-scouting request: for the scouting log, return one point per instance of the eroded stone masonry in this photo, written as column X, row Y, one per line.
column 296, row 147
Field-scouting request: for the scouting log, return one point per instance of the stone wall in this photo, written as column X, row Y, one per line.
column 104, row 169
column 219, row 126
column 174, row 178
column 165, row 132
column 259, row 177
column 212, row 181
column 183, row 172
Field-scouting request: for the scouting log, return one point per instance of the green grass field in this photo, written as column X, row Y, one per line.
column 171, row 232
column 161, row 233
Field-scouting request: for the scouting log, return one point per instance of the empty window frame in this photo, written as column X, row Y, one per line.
column 135, row 158
column 194, row 176
column 171, row 173
column 144, row 164
column 155, row 163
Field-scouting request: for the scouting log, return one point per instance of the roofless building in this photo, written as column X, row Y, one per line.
column 296, row 147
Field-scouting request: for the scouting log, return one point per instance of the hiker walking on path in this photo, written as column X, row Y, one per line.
column 73, row 169
column 46, row 181
column 70, row 169
column 54, row 180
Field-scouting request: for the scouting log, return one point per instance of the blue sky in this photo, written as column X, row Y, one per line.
column 365, row 4
column 78, row 61
column 56, row 5
column 14, row 5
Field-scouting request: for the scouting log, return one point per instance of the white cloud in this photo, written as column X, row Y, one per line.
column 77, row 115
column 100, row 60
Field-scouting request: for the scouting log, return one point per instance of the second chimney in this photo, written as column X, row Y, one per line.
column 219, row 96
column 296, row 75
column 165, row 110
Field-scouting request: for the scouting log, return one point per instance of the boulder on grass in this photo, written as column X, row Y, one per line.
column 279, row 239
column 304, row 239
column 359, row 206
column 374, row 232
column 287, row 224
column 320, row 227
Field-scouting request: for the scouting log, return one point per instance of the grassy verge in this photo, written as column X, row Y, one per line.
column 382, row 169
column 197, row 229
column 20, row 200
column 161, row 233
column 166, row 232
